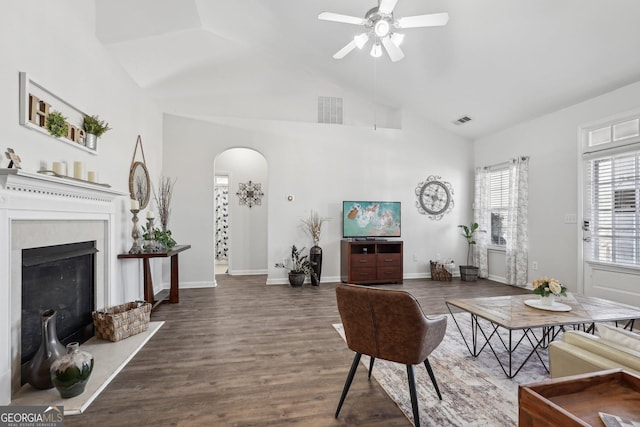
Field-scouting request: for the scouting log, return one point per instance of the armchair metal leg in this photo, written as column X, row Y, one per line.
column 414, row 395
column 347, row 384
column 433, row 378
column 371, row 360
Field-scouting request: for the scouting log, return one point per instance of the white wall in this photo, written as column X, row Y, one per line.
column 54, row 43
column 320, row 165
column 551, row 141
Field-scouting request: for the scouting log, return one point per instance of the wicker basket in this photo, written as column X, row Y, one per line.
column 439, row 272
column 121, row 321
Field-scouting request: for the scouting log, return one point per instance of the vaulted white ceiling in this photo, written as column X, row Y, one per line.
column 497, row 61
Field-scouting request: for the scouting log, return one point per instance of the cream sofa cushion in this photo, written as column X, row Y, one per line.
column 619, row 336
column 579, row 353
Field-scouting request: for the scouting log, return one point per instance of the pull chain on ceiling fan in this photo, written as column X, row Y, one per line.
column 379, row 24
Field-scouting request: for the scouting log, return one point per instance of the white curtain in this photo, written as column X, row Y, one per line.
column 482, row 215
column 517, row 229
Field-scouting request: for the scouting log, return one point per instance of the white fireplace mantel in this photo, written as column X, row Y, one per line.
column 28, row 198
column 38, row 183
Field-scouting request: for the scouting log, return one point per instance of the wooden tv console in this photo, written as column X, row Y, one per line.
column 371, row 261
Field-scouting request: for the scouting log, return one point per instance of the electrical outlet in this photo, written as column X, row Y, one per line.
column 415, row 258
column 534, row 265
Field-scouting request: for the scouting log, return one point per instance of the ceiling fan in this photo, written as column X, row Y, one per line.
column 379, row 24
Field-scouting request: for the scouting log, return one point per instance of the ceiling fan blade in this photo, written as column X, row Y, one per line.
column 336, row 17
column 345, row 50
column 395, row 53
column 386, row 6
column 432, row 20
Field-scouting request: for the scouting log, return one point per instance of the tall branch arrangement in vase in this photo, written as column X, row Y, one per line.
column 163, row 199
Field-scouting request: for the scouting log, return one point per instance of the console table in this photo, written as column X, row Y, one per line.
column 148, row 283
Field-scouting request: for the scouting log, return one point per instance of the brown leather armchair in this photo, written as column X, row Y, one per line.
column 388, row 324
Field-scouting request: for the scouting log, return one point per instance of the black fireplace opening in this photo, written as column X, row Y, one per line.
column 61, row 278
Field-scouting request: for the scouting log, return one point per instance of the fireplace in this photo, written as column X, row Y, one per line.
column 58, row 277
column 38, row 211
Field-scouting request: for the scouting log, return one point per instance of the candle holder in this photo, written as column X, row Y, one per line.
column 135, row 234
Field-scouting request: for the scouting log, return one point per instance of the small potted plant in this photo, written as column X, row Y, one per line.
column 469, row 273
column 94, row 128
column 57, row 124
column 299, row 267
column 156, row 240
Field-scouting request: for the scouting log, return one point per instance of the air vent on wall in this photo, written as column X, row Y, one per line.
column 462, row 120
column 330, row 109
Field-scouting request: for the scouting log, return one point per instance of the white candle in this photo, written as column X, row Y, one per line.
column 135, row 205
column 78, row 170
column 150, row 215
column 92, row 176
column 58, row 168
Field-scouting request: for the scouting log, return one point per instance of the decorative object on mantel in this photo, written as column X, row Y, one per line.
column 434, row 197
column 14, row 159
column 57, row 175
column 163, row 199
column 47, row 113
column 37, row 370
column 94, row 128
column 136, row 248
column 70, row 372
column 139, row 182
column 313, row 227
column 250, row 193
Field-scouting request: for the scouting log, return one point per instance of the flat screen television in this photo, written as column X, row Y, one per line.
column 370, row 219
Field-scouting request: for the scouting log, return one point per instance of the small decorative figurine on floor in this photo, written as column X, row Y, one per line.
column 14, row 159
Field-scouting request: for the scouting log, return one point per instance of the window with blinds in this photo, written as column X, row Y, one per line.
column 499, row 205
column 612, row 208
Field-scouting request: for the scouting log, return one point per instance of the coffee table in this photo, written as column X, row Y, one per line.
column 539, row 327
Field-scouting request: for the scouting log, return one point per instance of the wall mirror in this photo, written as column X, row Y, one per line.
column 139, row 182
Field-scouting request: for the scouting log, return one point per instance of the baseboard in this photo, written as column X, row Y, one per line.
column 192, row 285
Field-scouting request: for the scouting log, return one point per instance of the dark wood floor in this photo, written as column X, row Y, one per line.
column 247, row 354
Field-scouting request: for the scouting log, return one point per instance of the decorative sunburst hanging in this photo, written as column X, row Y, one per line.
column 250, row 193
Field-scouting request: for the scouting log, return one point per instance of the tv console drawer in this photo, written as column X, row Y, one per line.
column 363, row 260
column 389, row 273
column 363, row 274
column 388, row 260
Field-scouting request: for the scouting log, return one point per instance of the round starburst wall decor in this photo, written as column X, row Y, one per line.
column 435, row 197
column 250, row 193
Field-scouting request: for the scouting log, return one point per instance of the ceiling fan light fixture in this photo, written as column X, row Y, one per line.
column 376, row 50
column 361, row 40
column 397, row 38
column 382, row 28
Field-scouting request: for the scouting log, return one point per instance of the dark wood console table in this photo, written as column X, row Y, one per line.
column 148, row 283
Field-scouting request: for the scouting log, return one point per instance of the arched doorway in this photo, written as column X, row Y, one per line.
column 240, row 221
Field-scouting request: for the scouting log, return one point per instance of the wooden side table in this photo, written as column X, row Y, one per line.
column 174, row 297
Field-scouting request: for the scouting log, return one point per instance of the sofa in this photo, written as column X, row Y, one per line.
column 579, row 352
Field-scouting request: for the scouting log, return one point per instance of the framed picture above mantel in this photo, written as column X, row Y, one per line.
column 37, row 104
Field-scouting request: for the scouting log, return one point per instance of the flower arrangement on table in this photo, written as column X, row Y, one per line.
column 546, row 287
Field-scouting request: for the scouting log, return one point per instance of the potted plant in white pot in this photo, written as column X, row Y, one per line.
column 94, row 129
column 299, row 267
column 469, row 272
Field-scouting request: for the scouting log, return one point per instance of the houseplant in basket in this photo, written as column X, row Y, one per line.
column 469, row 273
column 299, row 267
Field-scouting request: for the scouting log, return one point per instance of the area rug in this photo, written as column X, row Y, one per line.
column 475, row 391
